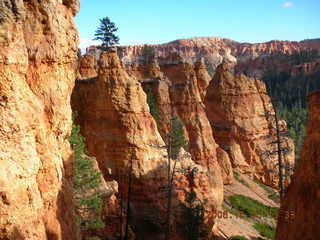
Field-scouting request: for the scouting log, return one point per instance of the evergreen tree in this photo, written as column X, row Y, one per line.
column 176, row 134
column 290, row 92
column 106, row 34
column 296, row 118
column 177, row 137
column 87, row 180
column 153, row 106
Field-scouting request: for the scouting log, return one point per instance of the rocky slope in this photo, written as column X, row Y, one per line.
column 299, row 216
column 241, row 114
column 38, row 56
column 120, row 131
column 233, row 221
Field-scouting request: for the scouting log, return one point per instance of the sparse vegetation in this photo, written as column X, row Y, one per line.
column 153, row 106
column 272, row 194
column 251, row 207
column 239, row 179
column 234, row 211
column 290, row 92
column 177, row 137
column 274, row 197
column 93, row 238
column 87, row 180
column 148, row 52
column 238, row 238
column 265, row 230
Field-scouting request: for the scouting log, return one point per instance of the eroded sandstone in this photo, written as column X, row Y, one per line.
column 242, row 116
column 38, row 53
column 120, row 131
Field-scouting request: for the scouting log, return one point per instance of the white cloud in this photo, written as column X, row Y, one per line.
column 84, row 43
column 287, row 4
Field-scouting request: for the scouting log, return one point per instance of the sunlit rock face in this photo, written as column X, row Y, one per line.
column 299, row 215
column 38, row 57
column 119, row 129
column 241, row 114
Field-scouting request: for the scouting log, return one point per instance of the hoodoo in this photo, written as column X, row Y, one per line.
column 120, row 132
column 242, row 116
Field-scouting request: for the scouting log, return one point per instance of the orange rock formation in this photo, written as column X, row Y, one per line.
column 179, row 88
column 38, row 56
column 240, row 112
column 119, row 128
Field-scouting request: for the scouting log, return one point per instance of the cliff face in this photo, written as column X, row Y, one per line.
column 213, row 50
column 120, row 131
column 38, row 51
column 253, row 58
column 240, row 112
column 299, row 216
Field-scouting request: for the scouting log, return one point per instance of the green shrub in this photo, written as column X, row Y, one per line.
column 272, row 194
column 239, row 179
column 251, row 207
column 238, row 238
column 265, row 230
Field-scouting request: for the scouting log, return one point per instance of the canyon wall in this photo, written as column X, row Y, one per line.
column 251, row 58
column 122, row 134
column 38, row 54
column 228, row 121
column 299, row 215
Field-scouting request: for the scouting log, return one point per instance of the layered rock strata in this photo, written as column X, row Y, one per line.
column 38, row 53
column 253, row 58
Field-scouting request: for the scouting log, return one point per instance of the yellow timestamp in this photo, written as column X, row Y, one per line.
column 227, row 215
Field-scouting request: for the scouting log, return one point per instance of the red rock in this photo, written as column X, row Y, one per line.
column 38, row 56
column 239, row 111
column 117, row 124
column 299, row 215
column 250, row 57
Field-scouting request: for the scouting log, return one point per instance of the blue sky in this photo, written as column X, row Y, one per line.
column 160, row 21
